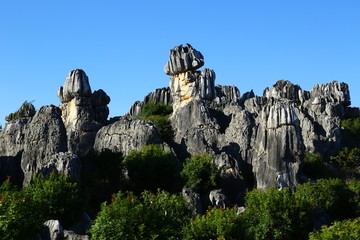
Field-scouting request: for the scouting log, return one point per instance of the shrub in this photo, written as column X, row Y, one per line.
column 200, row 173
column 18, row 217
column 22, row 213
column 151, row 168
column 55, row 197
column 276, row 215
column 215, row 224
column 354, row 186
column 158, row 114
column 151, row 216
column 347, row 159
column 313, row 166
column 27, row 109
column 352, row 126
column 329, row 194
column 340, row 230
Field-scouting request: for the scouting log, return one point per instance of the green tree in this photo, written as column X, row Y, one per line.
column 22, row 213
column 348, row 159
column 352, row 125
column 27, row 109
column 329, row 194
column 340, row 230
column 55, row 197
column 276, row 214
column 151, row 216
column 215, row 224
column 200, row 173
column 151, row 168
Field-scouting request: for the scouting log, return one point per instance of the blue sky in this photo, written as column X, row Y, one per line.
column 123, row 45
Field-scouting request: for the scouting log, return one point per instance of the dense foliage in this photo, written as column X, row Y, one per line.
column 352, row 125
column 22, row 213
column 276, row 214
column 215, row 224
column 151, row 168
column 158, row 114
column 341, row 230
column 200, row 173
column 151, row 216
column 338, row 198
column 348, row 159
column 314, row 167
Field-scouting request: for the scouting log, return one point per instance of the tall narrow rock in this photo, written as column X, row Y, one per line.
column 83, row 112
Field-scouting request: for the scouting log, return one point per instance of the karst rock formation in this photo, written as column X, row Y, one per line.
column 255, row 140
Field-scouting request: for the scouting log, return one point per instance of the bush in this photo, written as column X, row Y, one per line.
column 313, row 166
column 152, row 216
column 27, row 109
column 200, row 173
column 215, row 224
column 344, row 230
column 151, row 168
column 22, row 213
column 158, row 114
column 18, row 217
column 55, row 197
column 352, row 126
column 330, row 194
column 354, row 186
column 276, row 215
column 348, row 159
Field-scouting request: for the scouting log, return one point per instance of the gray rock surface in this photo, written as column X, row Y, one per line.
column 44, row 136
column 76, row 85
column 218, row 199
column 183, row 59
column 52, row 230
column 83, row 112
column 194, row 199
column 125, row 135
column 62, row 162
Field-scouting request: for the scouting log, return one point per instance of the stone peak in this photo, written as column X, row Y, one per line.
column 183, row 58
column 76, row 85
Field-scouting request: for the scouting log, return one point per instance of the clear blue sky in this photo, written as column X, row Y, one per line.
column 123, row 45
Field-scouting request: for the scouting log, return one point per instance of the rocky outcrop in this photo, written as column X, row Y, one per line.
column 160, row 95
column 52, row 230
column 44, row 136
column 63, row 162
column 83, row 112
column 125, row 135
column 183, row 59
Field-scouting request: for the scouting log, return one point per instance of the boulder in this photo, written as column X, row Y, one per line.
column 52, row 230
column 183, row 59
column 62, row 162
column 194, row 199
column 125, row 135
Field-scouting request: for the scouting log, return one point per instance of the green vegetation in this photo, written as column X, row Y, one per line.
column 151, row 168
column 348, row 159
column 333, row 195
column 27, row 109
column 340, row 230
column 314, row 167
column 22, row 213
column 200, row 173
column 215, row 224
column 276, row 214
column 158, row 114
column 151, row 216
column 352, row 126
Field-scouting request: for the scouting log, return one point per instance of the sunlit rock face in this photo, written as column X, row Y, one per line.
column 83, row 112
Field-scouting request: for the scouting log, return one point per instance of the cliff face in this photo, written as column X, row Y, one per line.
column 254, row 139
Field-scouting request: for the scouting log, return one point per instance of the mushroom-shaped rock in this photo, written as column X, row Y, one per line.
column 76, row 85
column 183, row 59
